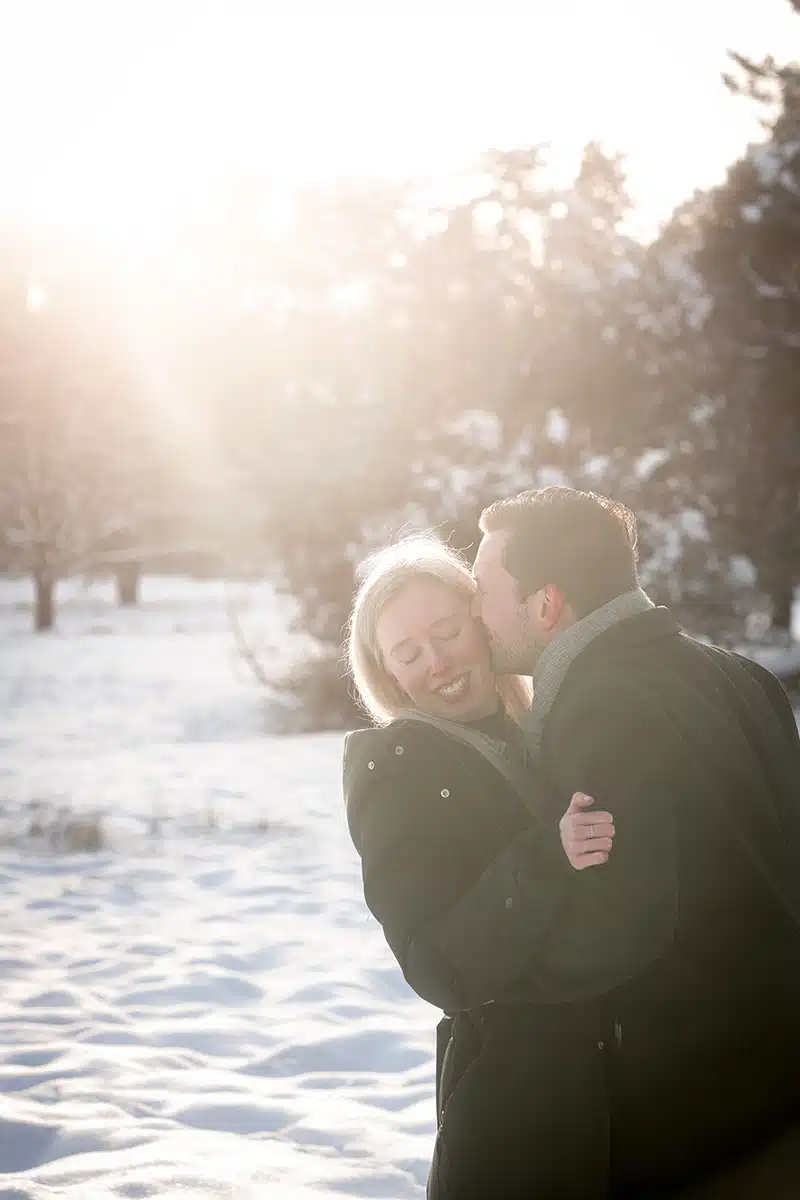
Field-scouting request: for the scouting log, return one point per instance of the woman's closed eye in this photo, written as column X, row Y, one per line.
column 448, row 635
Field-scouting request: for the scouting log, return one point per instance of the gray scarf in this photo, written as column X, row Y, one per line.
column 557, row 658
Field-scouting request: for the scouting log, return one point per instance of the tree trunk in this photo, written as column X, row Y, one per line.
column 128, row 576
column 45, row 607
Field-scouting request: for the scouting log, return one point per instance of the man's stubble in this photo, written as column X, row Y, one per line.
column 517, row 657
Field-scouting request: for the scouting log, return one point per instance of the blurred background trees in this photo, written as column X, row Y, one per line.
column 289, row 395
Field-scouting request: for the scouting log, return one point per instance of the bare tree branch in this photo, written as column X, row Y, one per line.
column 246, row 651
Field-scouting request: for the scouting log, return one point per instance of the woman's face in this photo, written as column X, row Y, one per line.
column 438, row 653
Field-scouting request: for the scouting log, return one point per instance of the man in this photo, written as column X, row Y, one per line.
column 689, row 937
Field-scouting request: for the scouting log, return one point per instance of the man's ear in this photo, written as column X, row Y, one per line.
column 549, row 607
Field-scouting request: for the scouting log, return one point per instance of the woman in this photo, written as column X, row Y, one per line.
column 441, row 807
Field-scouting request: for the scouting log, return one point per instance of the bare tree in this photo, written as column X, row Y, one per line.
column 63, row 491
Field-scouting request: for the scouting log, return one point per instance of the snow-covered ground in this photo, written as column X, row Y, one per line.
column 204, row 1008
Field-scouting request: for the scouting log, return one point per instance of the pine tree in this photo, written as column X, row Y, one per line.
column 749, row 261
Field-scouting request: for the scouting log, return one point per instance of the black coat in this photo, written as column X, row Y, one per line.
column 677, row 959
column 451, row 860
column 685, row 937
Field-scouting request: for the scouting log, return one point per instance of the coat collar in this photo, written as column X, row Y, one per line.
column 650, row 628
column 639, row 630
column 555, row 661
column 626, row 626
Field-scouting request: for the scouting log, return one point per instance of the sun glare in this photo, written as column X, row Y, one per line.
column 135, row 114
column 36, row 298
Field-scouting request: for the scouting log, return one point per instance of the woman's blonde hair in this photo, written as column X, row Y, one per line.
column 386, row 574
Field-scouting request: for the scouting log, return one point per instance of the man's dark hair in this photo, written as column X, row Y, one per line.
column 582, row 543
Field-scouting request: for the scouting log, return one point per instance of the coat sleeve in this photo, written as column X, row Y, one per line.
column 461, row 932
column 615, row 745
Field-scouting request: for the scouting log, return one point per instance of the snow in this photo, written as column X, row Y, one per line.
column 742, row 571
column 479, row 428
column 551, row 477
column 650, row 461
column 557, row 426
column 692, row 522
column 204, row 1008
column 751, row 213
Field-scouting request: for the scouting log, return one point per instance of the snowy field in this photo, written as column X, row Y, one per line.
column 203, row 1008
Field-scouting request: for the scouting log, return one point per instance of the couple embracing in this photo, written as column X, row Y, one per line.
column 598, row 883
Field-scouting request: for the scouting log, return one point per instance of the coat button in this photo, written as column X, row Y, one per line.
column 398, row 749
column 509, row 903
column 445, row 792
column 371, row 766
column 601, row 1045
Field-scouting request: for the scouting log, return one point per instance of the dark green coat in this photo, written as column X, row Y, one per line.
column 680, row 951
column 466, row 882
column 685, row 937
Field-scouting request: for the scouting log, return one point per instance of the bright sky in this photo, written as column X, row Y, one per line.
column 115, row 114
